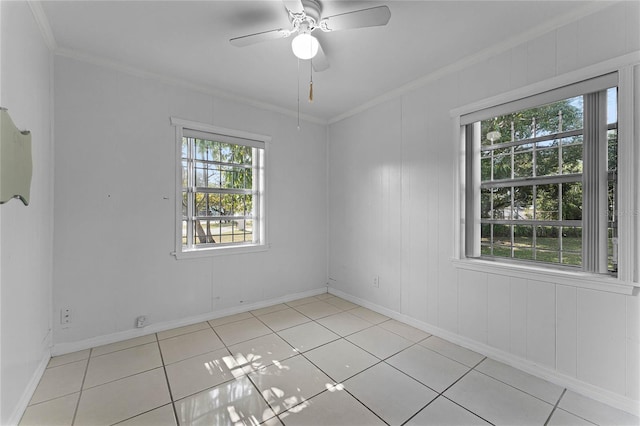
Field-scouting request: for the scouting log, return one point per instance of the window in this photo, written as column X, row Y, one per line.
column 542, row 173
column 221, row 189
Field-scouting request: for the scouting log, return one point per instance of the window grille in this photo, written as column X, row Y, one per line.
column 542, row 174
column 221, row 188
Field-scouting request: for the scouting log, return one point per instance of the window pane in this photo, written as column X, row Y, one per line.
column 204, row 149
column 572, row 110
column 612, row 149
column 572, row 158
column 544, row 120
column 234, row 231
column 523, row 242
column 612, row 227
column 485, row 239
column 502, row 203
column 571, row 246
column 207, row 204
column 502, row 167
column 523, row 202
column 547, row 162
column 223, row 216
column 612, row 202
column 226, row 153
column 612, row 250
column 502, row 240
column 523, row 147
column 522, row 126
column 184, row 204
column 547, row 244
column 485, row 167
column 185, row 147
column 495, row 131
column 532, row 143
column 206, row 232
column 236, row 204
column 523, row 164
column 184, row 233
column 485, row 203
column 547, row 202
column 201, row 174
column 572, row 201
column 185, row 174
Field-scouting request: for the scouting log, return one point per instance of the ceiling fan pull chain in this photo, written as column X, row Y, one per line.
column 311, row 81
column 298, row 94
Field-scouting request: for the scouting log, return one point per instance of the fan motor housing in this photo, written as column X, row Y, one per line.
column 313, row 9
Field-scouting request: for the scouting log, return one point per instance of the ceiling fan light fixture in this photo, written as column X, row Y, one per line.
column 305, row 46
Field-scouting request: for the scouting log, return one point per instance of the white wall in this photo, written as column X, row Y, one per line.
column 26, row 243
column 391, row 196
column 114, row 229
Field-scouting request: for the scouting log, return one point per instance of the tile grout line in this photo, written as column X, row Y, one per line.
column 461, row 377
column 553, row 410
column 441, row 394
column 166, row 377
column 336, row 382
column 186, row 333
column 275, row 414
column 414, row 343
column 123, row 349
column 124, row 377
column 140, row 414
column 246, row 373
column 84, row 377
column 157, row 341
column 466, row 409
column 513, row 386
column 286, row 328
column 318, row 367
column 366, row 406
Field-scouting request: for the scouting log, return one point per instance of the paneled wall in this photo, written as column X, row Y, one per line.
column 26, row 231
column 115, row 205
column 391, row 214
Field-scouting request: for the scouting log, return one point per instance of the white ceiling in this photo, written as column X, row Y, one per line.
column 189, row 41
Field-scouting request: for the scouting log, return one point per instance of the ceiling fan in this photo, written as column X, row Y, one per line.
column 305, row 17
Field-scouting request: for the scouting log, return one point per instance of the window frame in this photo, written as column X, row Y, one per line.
column 593, row 179
column 260, row 204
column 628, row 223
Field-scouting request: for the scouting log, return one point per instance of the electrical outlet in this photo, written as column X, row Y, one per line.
column 65, row 316
column 141, row 321
column 376, row 281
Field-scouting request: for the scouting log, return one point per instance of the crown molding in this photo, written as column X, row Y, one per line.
column 43, row 25
column 509, row 43
column 47, row 34
column 201, row 88
column 482, row 55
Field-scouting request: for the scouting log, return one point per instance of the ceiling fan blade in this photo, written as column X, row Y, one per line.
column 260, row 37
column 294, row 6
column 372, row 17
column 320, row 61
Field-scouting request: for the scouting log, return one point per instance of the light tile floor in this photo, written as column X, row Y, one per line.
column 315, row 361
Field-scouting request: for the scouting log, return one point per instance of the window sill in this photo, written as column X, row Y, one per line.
column 570, row 278
column 220, row 251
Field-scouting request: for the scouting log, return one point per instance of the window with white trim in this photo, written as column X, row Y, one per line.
column 221, row 203
column 542, row 178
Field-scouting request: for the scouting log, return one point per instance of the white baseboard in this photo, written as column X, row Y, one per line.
column 65, row 348
column 23, row 402
column 602, row 395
